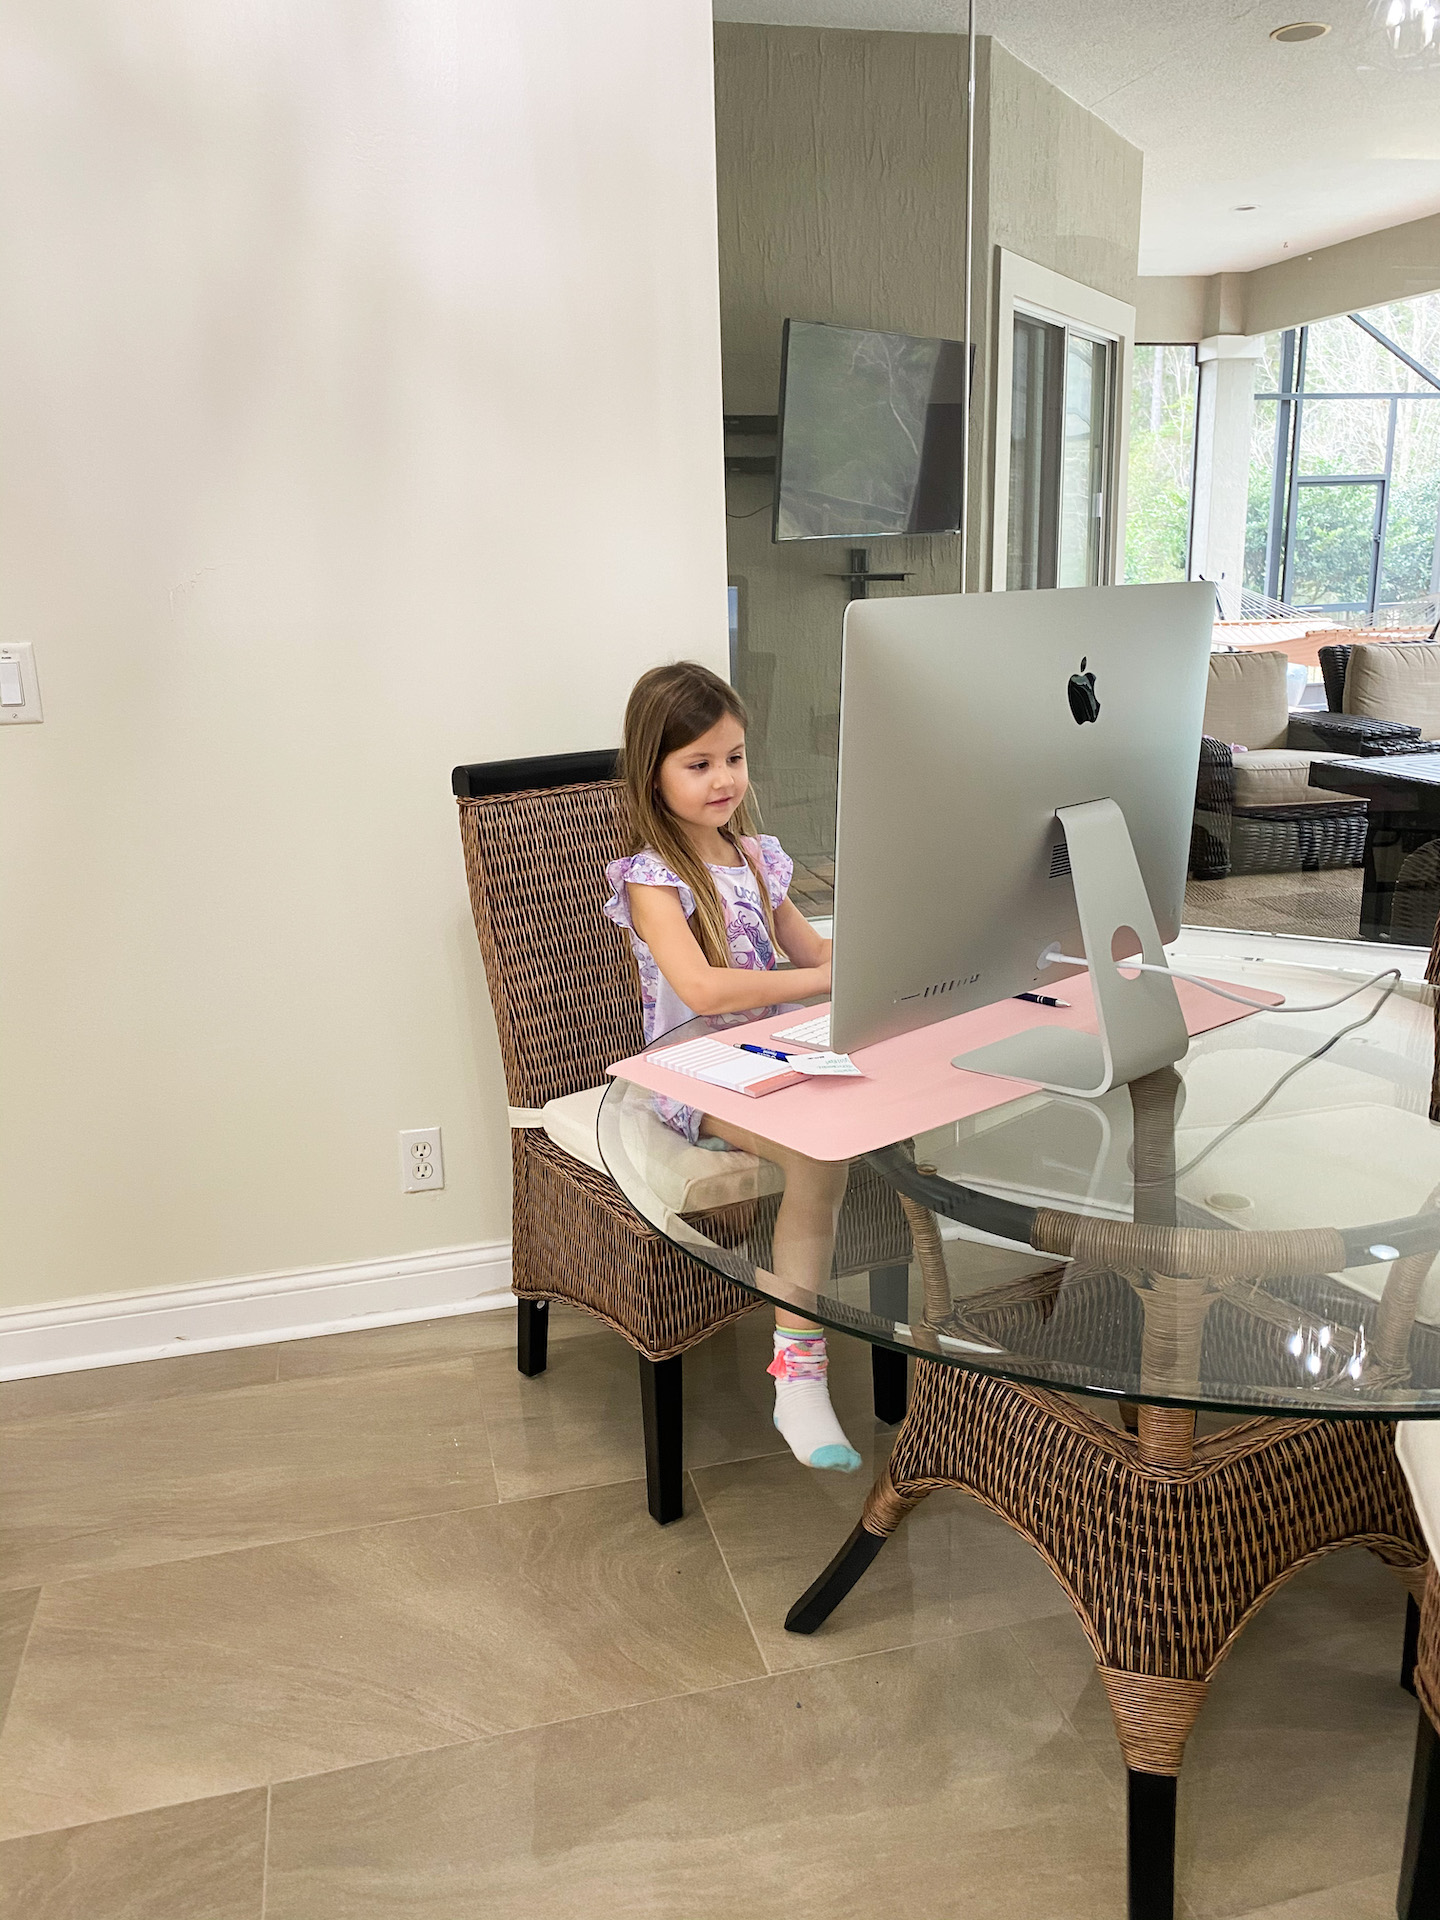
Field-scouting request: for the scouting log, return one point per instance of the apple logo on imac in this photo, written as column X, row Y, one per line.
column 1081, row 693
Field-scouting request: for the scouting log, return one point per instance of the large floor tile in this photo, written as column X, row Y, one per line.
column 930, row 1782
column 208, row 1675
column 458, row 1335
column 1297, row 1775
column 1302, row 1756
column 578, row 1423
column 1369, row 1899
column 94, row 1388
column 950, row 1568
column 203, row 1861
column 89, row 1492
column 17, row 1610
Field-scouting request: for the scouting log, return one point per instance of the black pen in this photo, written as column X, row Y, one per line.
column 1042, row 1000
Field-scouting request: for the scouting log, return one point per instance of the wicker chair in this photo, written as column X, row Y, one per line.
column 537, row 836
column 1419, row 1895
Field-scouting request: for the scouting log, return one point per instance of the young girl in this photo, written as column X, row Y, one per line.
column 705, row 902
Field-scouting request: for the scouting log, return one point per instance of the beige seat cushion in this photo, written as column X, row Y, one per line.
column 688, row 1179
column 1279, row 778
column 1394, row 681
column 1245, row 699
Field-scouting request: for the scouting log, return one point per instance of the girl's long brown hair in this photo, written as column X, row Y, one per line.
column 668, row 709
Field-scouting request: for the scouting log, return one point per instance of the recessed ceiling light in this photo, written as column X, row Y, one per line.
column 1299, row 30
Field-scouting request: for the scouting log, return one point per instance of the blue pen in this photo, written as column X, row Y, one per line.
column 769, row 1052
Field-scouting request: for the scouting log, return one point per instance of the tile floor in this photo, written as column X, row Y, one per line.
column 368, row 1628
column 1326, row 906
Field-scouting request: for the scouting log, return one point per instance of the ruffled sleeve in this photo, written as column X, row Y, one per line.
column 645, row 870
column 776, row 865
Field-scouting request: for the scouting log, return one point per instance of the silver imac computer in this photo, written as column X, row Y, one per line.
column 1017, row 781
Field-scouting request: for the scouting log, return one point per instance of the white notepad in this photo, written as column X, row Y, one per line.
column 719, row 1065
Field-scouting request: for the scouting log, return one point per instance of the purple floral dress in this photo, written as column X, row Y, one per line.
column 749, row 937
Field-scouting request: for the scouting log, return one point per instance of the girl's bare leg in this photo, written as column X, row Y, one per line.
column 802, row 1249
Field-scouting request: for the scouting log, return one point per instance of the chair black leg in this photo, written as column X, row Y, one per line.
column 1412, row 1644
column 819, row 1601
column 890, row 1298
column 1418, row 1897
column 531, row 1331
column 1151, row 1843
column 662, row 1405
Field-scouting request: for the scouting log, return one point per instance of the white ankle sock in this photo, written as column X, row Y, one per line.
column 803, row 1412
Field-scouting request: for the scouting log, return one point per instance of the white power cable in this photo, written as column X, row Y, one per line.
column 1051, row 959
column 1289, row 1074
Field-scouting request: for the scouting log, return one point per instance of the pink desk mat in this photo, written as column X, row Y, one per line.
column 909, row 1084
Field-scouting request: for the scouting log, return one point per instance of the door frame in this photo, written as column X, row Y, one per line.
column 1381, row 483
column 1050, row 296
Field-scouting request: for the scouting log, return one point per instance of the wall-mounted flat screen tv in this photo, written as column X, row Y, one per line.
column 870, row 434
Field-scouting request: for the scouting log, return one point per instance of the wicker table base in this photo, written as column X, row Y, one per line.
column 1164, row 1557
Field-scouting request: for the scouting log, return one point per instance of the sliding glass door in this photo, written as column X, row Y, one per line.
column 1062, row 402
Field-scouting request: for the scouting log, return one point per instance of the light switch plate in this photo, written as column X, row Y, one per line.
column 22, row 654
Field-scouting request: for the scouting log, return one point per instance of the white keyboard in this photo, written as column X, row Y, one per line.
column 811, row 1033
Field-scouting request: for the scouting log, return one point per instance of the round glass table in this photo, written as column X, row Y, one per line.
column 1251, row 1233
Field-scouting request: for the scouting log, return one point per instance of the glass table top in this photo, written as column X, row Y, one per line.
column 1274, row 1253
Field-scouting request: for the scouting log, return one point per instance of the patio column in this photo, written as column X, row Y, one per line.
column 1224, row 415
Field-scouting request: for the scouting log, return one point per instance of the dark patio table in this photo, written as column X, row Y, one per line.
column 1403, row 791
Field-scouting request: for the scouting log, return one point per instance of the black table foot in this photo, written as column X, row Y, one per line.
column 1419, row 1894
column 1411, row 1649
column 662, row 1407
column 532, row 1328
column 1151, row 1837
column 890, row 1298
column 818, row 1602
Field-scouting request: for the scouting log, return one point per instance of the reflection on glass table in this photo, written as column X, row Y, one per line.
column 1252, row 1232
column 1305, row 1125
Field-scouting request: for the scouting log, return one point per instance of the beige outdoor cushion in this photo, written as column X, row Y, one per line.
column 1394, row 681
column 1245, row 699
column 1276, row 777
column 687, row 1179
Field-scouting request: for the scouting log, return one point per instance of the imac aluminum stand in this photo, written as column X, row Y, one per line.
column 1140, row 1023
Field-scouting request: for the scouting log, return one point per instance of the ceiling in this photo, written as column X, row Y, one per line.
column 1323, row 138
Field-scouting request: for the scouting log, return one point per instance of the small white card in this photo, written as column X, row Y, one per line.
column 818, row 1063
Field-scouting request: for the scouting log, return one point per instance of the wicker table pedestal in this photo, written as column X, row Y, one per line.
column 1163, row 1563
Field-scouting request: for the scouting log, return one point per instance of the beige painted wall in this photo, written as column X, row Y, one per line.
column 1062, row 189
column 841, row 165
column 1396, row 263
column 841, row 170
column 359, row 414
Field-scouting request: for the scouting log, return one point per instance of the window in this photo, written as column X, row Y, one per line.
column 1061, row 405
column 1161, row 467
column 1345, row 465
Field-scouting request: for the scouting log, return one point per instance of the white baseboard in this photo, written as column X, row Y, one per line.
column 111, row 1329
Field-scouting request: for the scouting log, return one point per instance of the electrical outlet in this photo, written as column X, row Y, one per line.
column 422, row 1164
